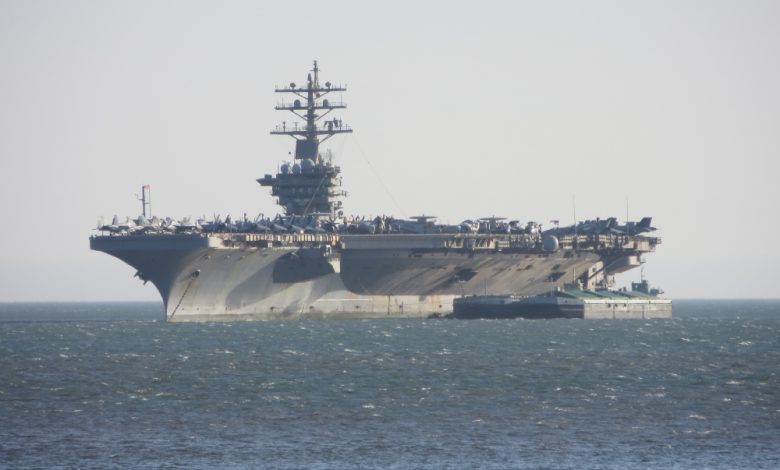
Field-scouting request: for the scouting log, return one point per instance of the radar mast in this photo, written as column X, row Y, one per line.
column 311, row 106
column 310, row 186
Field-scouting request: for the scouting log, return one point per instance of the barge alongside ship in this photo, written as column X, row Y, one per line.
column 571, row 302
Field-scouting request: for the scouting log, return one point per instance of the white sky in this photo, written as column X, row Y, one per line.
column 466, row 109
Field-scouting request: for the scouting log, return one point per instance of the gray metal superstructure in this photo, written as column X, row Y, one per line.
column 311, row 262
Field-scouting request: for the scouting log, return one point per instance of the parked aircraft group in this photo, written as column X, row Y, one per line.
column 326, row 223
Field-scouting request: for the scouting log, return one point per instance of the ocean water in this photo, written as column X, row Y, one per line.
column 112, row 386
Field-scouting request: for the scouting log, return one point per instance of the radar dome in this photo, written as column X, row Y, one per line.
column 307, row 164
column 550, row 243
column 296, row 169
column 286, row 168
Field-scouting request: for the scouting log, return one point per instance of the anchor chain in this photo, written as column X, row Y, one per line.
column 193, row 276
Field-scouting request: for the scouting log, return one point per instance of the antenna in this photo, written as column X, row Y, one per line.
column 628, row 226
column 316, row 71
column 626, row 208
column 146, row 200
column 574, row 210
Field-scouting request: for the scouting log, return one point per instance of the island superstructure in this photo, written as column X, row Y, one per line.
column 312, row 262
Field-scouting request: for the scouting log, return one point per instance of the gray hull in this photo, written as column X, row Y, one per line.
column 208, row 278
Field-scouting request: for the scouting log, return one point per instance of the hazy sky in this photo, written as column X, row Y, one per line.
column 465, row 109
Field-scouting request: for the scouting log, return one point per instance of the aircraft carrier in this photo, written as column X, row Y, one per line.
column 312, row 262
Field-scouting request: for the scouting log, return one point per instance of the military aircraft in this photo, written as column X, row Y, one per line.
column 215, row 225
column 604, row 226
column 127, row 226
column 469, row 226
column 635, row 228
column 493, row 225
column 113, row 227
column 185, row 226
column 418, row 224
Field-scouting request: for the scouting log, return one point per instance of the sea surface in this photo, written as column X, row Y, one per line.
column 111, row 385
